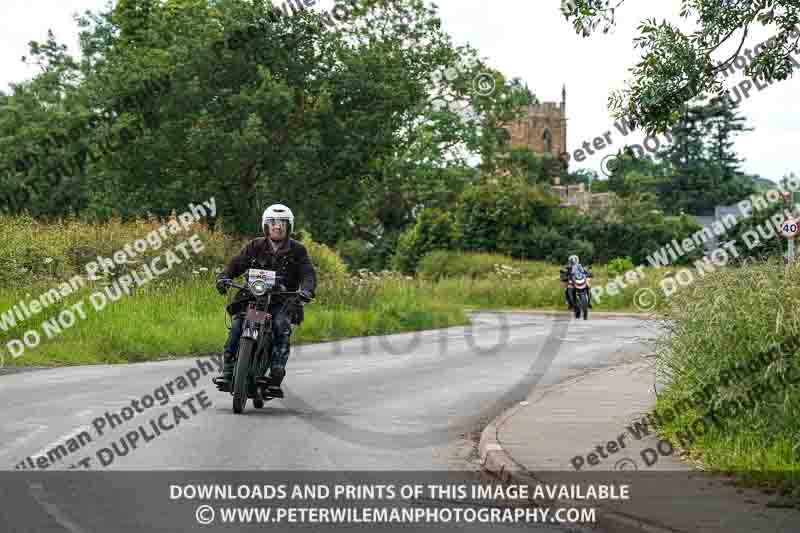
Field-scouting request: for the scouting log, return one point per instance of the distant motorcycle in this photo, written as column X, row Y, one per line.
column 577, row 285
column 579, row 288
column 255, row 345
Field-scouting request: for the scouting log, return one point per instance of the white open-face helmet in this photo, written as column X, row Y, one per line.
column 277, row 212
column 573, row 260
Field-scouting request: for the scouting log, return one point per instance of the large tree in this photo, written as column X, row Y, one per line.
column 702, row 169
column 698, row 170
column 179, row 100
column 676, row 67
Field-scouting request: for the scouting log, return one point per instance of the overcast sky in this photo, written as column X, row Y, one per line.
column 522, row 38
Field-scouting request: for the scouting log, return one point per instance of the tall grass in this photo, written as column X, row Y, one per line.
column 179, row 313
column 734, row 349
column 34, row 252
column 187, row 317
column 495, row 281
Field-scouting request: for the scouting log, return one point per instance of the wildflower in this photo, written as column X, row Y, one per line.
column 48, row 260
column 203, row 269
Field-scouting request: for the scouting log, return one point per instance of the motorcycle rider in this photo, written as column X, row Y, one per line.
column 292, row 264
column 573, row 267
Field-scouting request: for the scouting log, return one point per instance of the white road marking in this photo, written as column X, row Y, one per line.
column 39, row 428
column 37, row 491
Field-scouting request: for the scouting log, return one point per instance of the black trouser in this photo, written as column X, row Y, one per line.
column 281, row 332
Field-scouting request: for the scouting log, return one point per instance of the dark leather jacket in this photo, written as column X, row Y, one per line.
column 290, row 261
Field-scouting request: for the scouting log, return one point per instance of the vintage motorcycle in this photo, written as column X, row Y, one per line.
column 255, row 345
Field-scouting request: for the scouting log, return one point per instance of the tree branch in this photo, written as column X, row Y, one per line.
column 725, row 64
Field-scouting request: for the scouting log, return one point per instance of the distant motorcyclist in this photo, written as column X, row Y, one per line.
column 292, row 264
column 572, row 268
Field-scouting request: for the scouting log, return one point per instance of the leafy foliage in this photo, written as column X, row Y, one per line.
column 434, row 230
column 180, row 100
column 619, row 265
column 697, row 171
column 676, row 67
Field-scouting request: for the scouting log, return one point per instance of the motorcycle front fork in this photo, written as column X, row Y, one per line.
column 572, row 295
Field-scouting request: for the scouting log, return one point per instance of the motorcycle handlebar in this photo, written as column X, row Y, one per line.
column 246, row 286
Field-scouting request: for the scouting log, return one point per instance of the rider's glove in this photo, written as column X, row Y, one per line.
column 305, row 295
column 223, row 285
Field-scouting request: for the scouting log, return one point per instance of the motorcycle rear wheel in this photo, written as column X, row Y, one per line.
column 242, row 375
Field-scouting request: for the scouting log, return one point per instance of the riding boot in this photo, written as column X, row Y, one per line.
column 225, row 380
column 277, row 369
column 276, row 375
column 228, row 363
column 569, row 300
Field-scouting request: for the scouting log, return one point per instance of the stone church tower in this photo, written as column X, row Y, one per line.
column 543, row 129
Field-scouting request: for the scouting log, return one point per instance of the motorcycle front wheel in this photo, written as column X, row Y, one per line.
column 242, row 374
column 584, row 304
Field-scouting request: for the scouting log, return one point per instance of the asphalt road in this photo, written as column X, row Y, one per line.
column 407, row 402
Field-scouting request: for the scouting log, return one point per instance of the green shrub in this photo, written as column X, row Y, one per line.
column 504, row 215
column 374, row 256
column 582, row 248
column 433, row 230
column 355, row 253
column 619, row 265
column 636, row 229
column 327, row 263
column 453, row 264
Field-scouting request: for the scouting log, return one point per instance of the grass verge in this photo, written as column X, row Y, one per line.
column 188, row 317
column 732, row 361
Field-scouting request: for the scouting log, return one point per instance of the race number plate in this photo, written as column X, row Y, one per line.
column 267, row 275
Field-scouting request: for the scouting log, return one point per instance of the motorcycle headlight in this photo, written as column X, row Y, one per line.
column 258, row 287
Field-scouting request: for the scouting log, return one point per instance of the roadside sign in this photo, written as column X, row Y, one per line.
column 789, row 228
